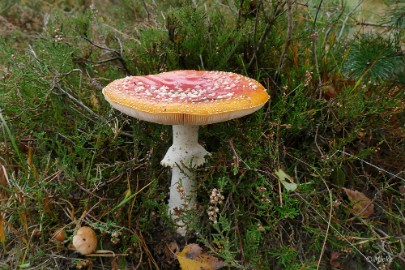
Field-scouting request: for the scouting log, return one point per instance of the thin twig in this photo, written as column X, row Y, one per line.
column 316, row 142
column 329, row 222
column 347, row 17
column 108, row 60
column 147, row 10
column 118, row 53
column 270, row 22
column 289, row 36
column 140, row 258
column 368, row 163
column 100, row 46
column 372, row 24
column 331, row 26
column 314, row 49
column 235, row 154
column 78, row 102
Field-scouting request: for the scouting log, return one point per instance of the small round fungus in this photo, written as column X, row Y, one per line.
column 85, row 240
column 59, row 235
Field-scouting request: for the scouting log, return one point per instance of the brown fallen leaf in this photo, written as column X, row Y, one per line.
column 334, row 260
column 3, row 181
column 194, row 258
column 2, row 232
column 3, row 184
column 361, row 205
column 402, row 189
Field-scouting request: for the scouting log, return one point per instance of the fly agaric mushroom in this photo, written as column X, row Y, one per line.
column 85, row 240
column 186, row 99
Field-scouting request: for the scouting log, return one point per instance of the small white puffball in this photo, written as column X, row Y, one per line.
column 85, row 240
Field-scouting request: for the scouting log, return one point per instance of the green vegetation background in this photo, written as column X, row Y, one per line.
column 335, row 120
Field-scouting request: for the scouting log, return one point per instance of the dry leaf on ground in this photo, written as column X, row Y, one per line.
column 3, row 184
column 2, row 231
column 334, row 260
column 361, row 205
column 286, row 180
column 194, row 258
column 402, row 189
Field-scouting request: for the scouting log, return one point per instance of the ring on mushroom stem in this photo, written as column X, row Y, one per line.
column 186, row 99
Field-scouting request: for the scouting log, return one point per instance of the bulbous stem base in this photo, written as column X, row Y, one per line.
column 183, row 156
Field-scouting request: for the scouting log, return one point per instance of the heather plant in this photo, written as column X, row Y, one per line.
column 282, row 187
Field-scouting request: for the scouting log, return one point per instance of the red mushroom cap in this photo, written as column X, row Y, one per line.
column 186, row 97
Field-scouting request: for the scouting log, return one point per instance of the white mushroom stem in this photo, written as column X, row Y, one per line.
column 183, row 156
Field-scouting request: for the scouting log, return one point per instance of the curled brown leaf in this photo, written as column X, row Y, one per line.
column 361, row 205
